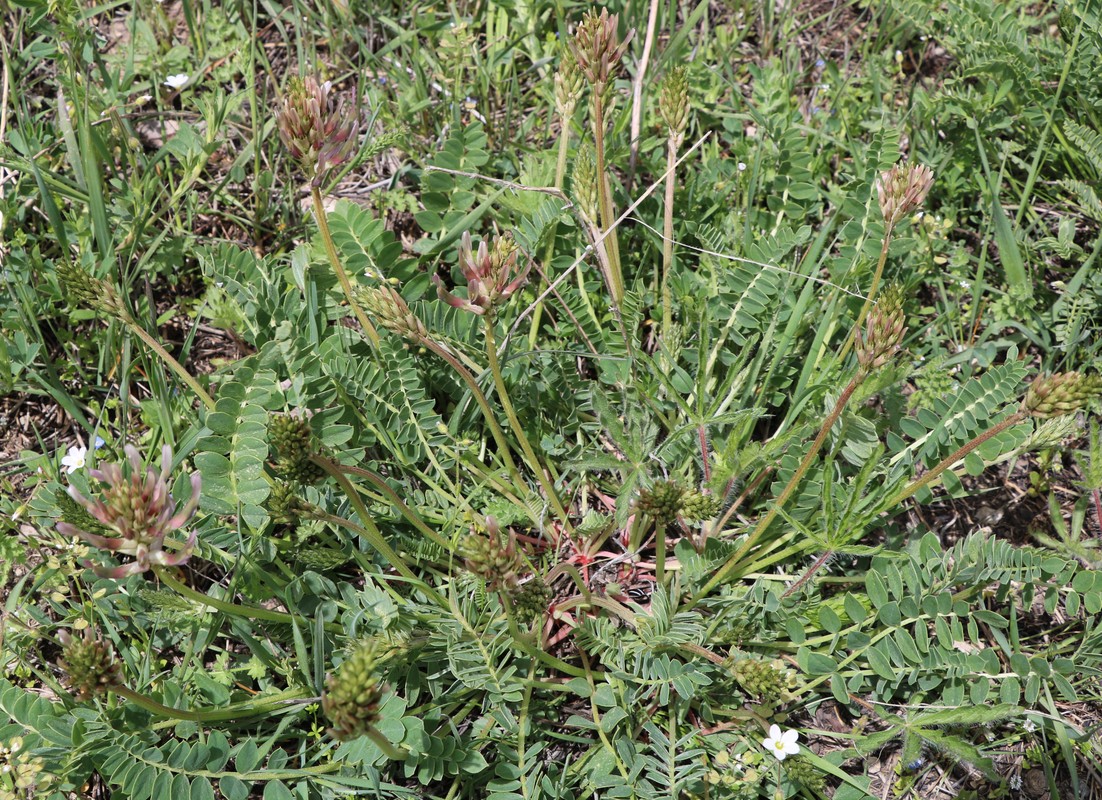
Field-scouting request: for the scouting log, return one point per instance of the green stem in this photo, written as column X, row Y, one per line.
column 518, row 429
column 872, row 292
column 759, row 530
column 169, row 361
column 235, row 610
column 667, row 237
column 384, row 744
column 560, row 175
column 264, row 706
column 931, row 476
column 530, row 649
column 333, row 519
column 659, row 553
column 380, row 484
column 484, row 405
column 371, row 531
column 604, row 200
column 338, row 268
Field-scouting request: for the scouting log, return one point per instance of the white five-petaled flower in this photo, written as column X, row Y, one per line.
column 74, row 459
column 176, row 81
column 781, row 744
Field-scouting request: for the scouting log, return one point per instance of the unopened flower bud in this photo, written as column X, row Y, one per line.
column 597, row 48
column 316, row 128
column 294, row 443
column 530, row 600
column 768, row 681
column 673, row 103
column 88, row 290
column 352, row 695
column 390, row 310
column 902, row 190
column 697, row 506
column 1062, row 393
column 285, row 504
column 662, row 502
column 89, row 665
column 568, row 85
column 493, row 559
column 584, row 182
column 883, row 331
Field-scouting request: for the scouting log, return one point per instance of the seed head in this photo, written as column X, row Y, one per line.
column 1062, row 393
column 352, row 695
column 883, row 331
column 597, row 48
column 673, row 103
column 491, row 274
column 89, row 665
column 902, row 190
column 139, row 508
column 316, row 128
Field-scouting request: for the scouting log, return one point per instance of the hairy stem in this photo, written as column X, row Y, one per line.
column 931, row 476
column 667, row 237
column 872, row 292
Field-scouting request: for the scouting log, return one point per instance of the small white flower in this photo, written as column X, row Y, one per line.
column 1015, row 783
column 1029, row 726
column 176, row 81
column 781, row 744
column 742, row 166
column 74, row 459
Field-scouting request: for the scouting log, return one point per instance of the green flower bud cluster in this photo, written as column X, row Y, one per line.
column 87, row 290
column 352, row 695
column 883, row 331
column 294, row 444
column 495, row 561
column 662, row 502
column 697, row 506
column 285, row 504
column 584, row 182
column 767, row 681
column 736, row 774
column 673, row 103
column 568, row 85
column 530, row 600
column 1061, row 393
column 89, row 665
column 804, row 773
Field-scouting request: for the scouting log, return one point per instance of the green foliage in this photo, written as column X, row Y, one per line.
column 597, row 549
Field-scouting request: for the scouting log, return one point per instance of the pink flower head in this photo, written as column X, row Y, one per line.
column 138, row 507
column 491, row 274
